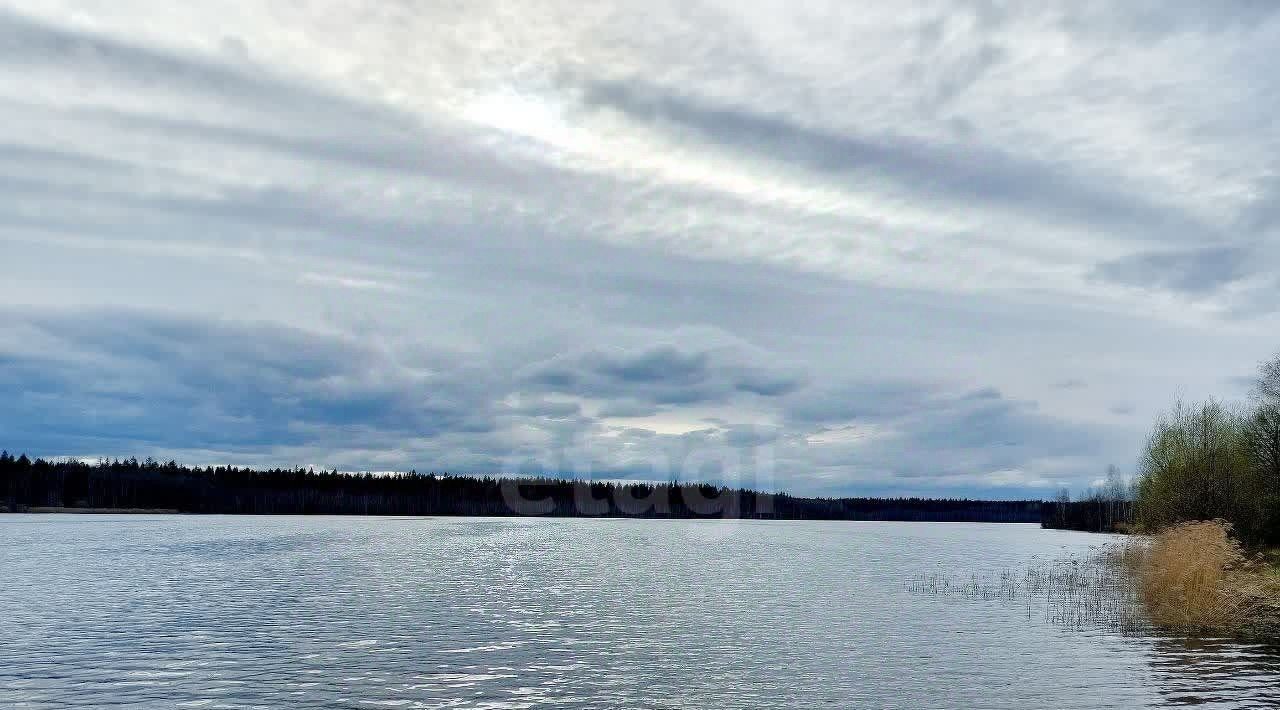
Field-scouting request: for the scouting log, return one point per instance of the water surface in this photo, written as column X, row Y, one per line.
column 317, row 612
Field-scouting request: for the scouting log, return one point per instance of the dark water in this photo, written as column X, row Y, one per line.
column 248, row 612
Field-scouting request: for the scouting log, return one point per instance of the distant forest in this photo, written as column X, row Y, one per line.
column 1094, row 514
column 150, row 485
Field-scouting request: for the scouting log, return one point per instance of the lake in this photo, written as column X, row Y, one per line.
column 321, row 612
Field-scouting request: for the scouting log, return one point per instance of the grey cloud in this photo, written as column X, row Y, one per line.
column 628, row 408
column 638, row 433
column 292, row 119
column 917, row 430
column 948, row 74
column 1161, row 18
column 134, row 382
column 965, row 73
column 962, row 436
column 548, row 409
column 967, row 423
column 750, row 436
column 1241, row 383
column 161, row 381
column 1262, row 215
column 386, row 141
column 33, row 157
column 1144, row 18
column 876, row 400
column 25, row 42
column 1191, row 271
column 982, row 394
column 769, row 384
column 660, row 375
column 664, row 364
column 969, row 174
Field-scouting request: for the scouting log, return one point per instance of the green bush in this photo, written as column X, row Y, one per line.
column 1211, row 461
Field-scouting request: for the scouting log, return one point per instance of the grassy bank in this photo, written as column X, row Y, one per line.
column 1197, row 576
column 1271, row 563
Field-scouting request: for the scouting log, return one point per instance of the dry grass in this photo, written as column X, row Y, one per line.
column 1196, row 576
column 1271, row 559
column 1087, row 591
column 1190, row 577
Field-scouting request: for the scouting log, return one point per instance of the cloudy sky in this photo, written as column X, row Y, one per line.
column 947, row 248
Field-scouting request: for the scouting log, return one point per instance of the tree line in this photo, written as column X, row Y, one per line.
column 1202, row 461
column 1105, row 508
column 28, row 484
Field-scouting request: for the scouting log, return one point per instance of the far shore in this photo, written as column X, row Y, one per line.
column 95, row 511
column 115, row 486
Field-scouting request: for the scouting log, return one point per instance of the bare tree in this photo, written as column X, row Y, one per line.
column 1267, row 384
column 1113, row 494
column 1262, row 436
column 1063, row 501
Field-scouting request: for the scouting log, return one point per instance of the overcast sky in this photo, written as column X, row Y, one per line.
column 949, row 248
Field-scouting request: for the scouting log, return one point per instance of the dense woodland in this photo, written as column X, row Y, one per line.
column 133, row 484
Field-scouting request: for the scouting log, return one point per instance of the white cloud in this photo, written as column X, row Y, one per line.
column 898, row 204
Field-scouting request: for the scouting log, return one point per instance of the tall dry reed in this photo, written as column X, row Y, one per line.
column 1195, row 575
column 1189, row 577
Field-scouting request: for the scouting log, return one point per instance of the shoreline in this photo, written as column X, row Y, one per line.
column 59, row 510
column 93, row 511
column 73, row 486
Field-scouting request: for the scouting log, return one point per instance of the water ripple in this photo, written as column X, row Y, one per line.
column 259, row 612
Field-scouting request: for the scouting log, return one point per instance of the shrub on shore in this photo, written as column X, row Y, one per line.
column 1210, row 460
column 1200, row 464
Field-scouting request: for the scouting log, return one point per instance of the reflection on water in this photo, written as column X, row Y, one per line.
column 1225, row 673
column 224, row 612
